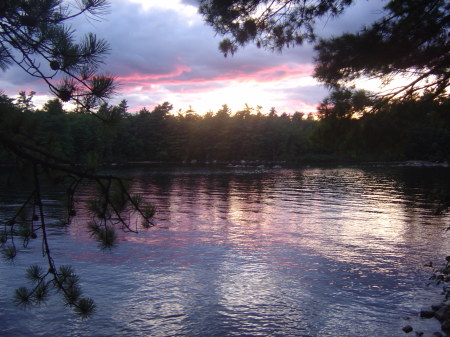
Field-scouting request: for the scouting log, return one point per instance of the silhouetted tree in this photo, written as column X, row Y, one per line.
column 344, row 103
column 36, row 36
column 411, row 39
column 54, row 107
column 25, row 101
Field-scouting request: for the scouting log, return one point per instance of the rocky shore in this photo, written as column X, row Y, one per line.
column 440, row 311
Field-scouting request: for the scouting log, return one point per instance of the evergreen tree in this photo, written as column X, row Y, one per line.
column 35, row 36
column 411, row 39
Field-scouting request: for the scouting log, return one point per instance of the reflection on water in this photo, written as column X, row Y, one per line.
column 310, row 252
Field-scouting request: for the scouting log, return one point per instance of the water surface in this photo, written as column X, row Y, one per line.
column 247, row 252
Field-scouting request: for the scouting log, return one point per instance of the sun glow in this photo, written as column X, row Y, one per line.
column 388, row 87
column 236, row 94
column 185, row 88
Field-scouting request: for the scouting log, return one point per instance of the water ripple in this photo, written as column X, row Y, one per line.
column 239, row 252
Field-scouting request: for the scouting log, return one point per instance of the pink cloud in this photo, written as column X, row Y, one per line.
column 270, row 74
column 184, row 76
column 139, row 78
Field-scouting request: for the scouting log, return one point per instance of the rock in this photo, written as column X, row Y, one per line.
column 438, row 334
column 427, row 314
column 407, row 328
column 443, row 313
column 446, row 326
column 436, row 307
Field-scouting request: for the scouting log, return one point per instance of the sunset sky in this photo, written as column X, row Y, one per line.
column 163, row 51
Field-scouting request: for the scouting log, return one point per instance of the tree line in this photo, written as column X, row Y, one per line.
column 404, row 130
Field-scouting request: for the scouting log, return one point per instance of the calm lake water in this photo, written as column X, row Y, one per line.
column 247, row 252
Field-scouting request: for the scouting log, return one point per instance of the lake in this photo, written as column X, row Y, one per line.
column 337, row 251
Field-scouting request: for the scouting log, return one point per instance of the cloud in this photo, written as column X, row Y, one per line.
column 183, row 75
column 163, row 51
column 194, row 3
column 309, row 94
column 159, row 54
column 359, row 14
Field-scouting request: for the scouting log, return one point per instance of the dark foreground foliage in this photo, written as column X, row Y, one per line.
column 37, row 144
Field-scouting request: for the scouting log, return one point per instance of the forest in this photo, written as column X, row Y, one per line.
column 402, row 130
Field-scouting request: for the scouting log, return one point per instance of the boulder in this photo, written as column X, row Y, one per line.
column 443, row 313
column 407, row 328
column 427, row 314
column 437, row 306
column 445, row 326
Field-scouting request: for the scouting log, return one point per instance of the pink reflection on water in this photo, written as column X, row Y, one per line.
column 345, row 215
